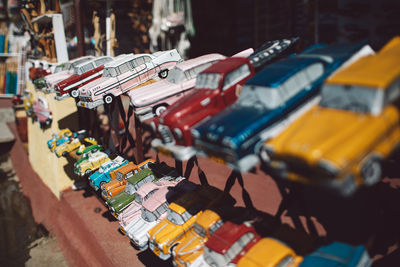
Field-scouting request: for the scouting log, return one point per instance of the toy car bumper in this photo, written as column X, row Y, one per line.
column 61, row 97
column 178, row 152
column 90, row 105
column 144, row 114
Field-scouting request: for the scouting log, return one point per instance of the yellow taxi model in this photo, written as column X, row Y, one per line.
column 191, row 244
column 342, row 142
column 72, row 144
column 181, row 215
column 270, row 252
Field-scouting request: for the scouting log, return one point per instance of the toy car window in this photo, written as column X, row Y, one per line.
column 147, row 59
column 175, row 218
column 139, row 61
column 235, row 76
column 314, row 71
column 150, row 194
column 124, row 68
column 208, row 81
column 138, row 198
column 87, row 67
column 215, row 227
column 353, row 98
column 130, row 189
column 129, row 174
column 245, row 239
column 148, row 216
column 119, row 176
column 261, row 96
column 59, row 68
column 233, row 251
column 110, row 72
column 200, row 68
column 285, row 261
column 199, row 230
column 176, row 76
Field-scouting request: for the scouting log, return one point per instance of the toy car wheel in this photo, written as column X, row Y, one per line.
column 88, row 172
column 74, row 93
column 101, row 185
column 65, row 153
column 163, row 74
column 371, row 171
column 47, row 122
column 108, row 99
column 159, row 109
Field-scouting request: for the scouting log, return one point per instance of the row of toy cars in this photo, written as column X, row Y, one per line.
column 348, row 135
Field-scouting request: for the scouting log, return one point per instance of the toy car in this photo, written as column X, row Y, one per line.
column 119, row 178
column 217, row 87
column 338, row 254
column 342, row 142
column 74, row 143
column 122, row 75
column 28, row 103
column 41, row 111
column 150, row 100
column 52, row 143
column 269, row 102
column 89, row 163
column 82, row 74
column 102, row 175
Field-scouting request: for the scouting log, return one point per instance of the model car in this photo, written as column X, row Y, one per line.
column 119, row 178
column 52, row 142
column 41, row 111
column 270, row 252
column 82, row 74
column 216, row 88
column 181, row 215
column 155, row 172
column 74, row 143
column 102, row 175
column 153, row 210
column 150, row 100
column 122, row 75
column 339, row 255
column 90, row 163
column 67, row 70
column 40, row 83
column 269, row 102
column 28, row 103
column 354, row 127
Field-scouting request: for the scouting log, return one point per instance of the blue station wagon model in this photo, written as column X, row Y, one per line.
column 338, row 255
column 271, row 100
column 102, row 176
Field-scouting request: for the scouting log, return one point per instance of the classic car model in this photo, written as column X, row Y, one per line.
column 342, row 142
column 181, row 215
column 89, row 163
column 52, row 79
column 40, row 83
column 41, row 111
column 229, row 243
column 122, row 75
column 216, row 88
column 28, row 103
column 155, row 172
column 52, row 142
column 119, row 178
column 269, row 102
column 72, row 144
column 82, row 74
column 339, row 255
column 270, row 252
column 150, row 100
column 102, row 175
column 153, row 210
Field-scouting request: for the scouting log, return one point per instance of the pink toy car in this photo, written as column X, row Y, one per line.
column 42, row 112
column 122, row 75
column 150, row 100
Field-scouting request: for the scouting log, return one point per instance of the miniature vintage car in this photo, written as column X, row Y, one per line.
column 181, row 215
column 354, row 127
column 122, row 75
column 52, row 79
column 269, row 102
column 89, row 163
column 150, row 100
column 228, row 244
column 338, row 254
column 119, row 178
column 28, row 103
column 40, row 83
column 52, row 143
column 82, row 74
column 72, row 144
column 102, row 175
column 216, row 88
column 270, row 252
column 153, row 210
column 121, row 201
column 41, row 111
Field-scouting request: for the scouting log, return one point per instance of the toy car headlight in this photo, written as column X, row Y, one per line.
column 229, row 142
column 195, row 133
column 178, row 133
column 328, row 166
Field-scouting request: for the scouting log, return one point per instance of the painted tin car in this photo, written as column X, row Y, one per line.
column 82, row 74
column 74, row 143
column 156, row 171
column 40, row 83
column 41, row 111
column 354, row 127
column 216, row 88
column 228, row 244
column 52, row 142
column 270, row 252
column 102, row 175
column 181, row 215
column 52, row 79
column 122, row 75
column 89, row 163
column 150, row 100
column 153, row 210
column 338, row 254
column 119, row 178
column 269, row 102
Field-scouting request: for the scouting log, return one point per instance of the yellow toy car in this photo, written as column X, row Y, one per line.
column 342, row 142
column 270, row 252
column 59, row 138
column 72, row 144
column 89, row 163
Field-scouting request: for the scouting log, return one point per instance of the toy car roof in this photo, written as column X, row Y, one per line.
column 190, row 63
column 120, row 60
column 91, row 61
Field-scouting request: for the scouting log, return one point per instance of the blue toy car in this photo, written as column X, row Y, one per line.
column 269, row 102
column 338, row 255
column 102, row 175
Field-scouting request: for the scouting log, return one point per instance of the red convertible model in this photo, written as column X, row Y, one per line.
column 216, row 88
column 83, row 74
